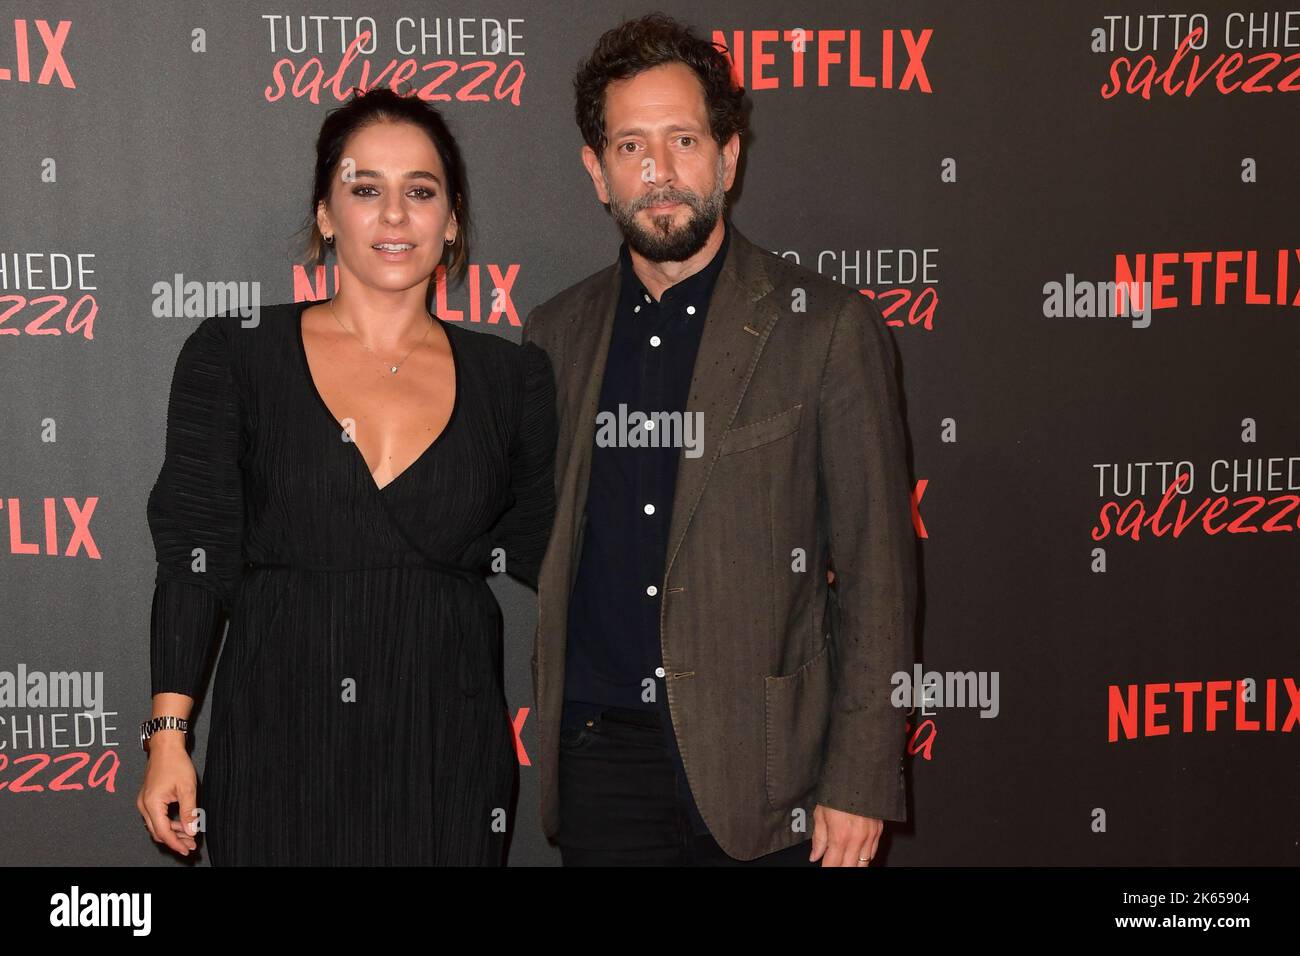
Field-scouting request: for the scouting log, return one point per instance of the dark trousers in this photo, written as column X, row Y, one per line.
column 619, row 803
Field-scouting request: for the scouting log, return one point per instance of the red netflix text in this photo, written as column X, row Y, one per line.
column 1223, row 268
column 825, row 48
column 47, row 521
column 1145, row 710
column 487, row 286
column 53, row 65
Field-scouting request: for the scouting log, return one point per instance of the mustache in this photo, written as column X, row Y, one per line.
column 672, row 195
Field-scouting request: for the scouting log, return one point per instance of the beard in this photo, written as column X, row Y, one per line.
column 663, row 241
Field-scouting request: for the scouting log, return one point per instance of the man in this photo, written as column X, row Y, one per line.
column 729, row 423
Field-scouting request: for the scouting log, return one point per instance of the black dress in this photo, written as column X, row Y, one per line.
column 358, row 715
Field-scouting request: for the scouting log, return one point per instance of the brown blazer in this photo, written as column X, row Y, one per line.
column 779, row 686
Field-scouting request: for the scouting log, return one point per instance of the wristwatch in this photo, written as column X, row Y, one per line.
column 149, row 727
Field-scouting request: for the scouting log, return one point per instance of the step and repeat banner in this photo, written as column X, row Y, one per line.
column 1078, row 220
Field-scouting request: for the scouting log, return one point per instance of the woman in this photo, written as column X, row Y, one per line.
column 336, row 479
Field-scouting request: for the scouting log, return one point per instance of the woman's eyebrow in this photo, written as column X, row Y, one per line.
column 413, row 174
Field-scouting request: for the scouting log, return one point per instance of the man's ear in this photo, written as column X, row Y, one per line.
column 592, row 162
column 732, row 151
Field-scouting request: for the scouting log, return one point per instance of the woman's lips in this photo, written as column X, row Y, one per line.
column 393, row 255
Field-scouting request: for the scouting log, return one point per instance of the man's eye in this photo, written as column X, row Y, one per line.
column 633, row 145
column 685, row 138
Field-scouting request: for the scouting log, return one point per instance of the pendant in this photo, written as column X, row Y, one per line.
column 393, row 370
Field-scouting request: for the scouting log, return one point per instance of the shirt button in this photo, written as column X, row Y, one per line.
column 649, row 509
column 655, row 340
column 659, row 672
column 636, row 308
column 690, row 310
column 652, row 590
column 647, row 298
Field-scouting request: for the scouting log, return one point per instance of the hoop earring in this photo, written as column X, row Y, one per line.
column 450, row 242
column 329, row 240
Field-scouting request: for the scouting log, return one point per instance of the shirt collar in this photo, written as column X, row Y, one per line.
column 697, row 287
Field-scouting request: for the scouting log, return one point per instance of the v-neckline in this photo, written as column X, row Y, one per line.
column 320, row 400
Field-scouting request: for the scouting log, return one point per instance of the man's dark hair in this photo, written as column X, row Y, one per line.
column 649, row 41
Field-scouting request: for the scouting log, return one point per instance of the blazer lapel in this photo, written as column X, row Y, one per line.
column 737, row 325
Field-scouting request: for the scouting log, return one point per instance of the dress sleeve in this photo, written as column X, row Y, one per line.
column 196, row 513
column 525, row 529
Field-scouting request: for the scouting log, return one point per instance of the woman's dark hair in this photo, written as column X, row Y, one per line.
column 649, row 41
column 384, row 105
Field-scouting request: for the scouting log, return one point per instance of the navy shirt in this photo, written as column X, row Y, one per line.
column 613, row 634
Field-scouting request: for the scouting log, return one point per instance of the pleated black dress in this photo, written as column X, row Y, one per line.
column 358, row 715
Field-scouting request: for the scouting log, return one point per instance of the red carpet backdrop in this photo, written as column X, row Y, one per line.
column 1106, row 498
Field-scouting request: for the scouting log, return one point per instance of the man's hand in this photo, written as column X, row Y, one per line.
column 844, row 839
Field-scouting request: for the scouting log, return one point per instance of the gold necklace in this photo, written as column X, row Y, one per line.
column 392, row 368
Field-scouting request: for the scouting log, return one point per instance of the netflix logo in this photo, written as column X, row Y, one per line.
column 40, row 46
column 1156, row 710
column 858, row 59
column 486, row 291
column 51, row 536
column 1217, row 277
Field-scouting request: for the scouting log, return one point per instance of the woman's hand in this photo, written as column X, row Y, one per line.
column 169, row 778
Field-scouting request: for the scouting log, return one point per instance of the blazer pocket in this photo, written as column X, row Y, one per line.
column 797, row 712
column 765, row 430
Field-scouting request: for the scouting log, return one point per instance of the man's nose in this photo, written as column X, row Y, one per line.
column 659, row 170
